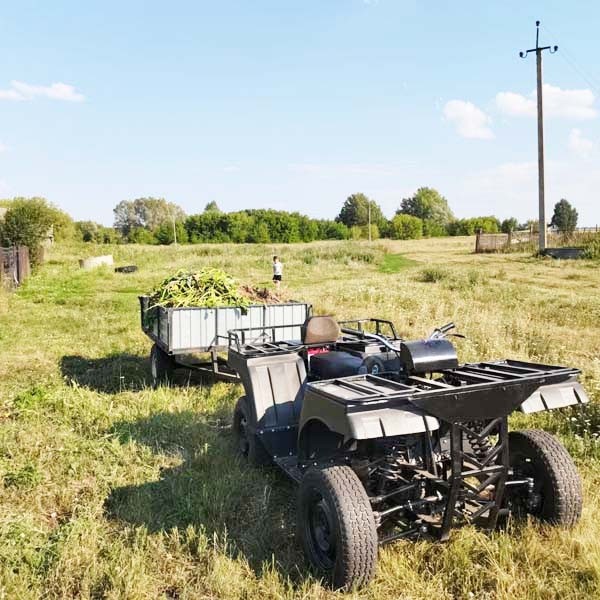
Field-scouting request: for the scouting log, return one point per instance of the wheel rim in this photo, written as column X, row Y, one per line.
column 321, row 531
column 153, row 366
column 524, row 467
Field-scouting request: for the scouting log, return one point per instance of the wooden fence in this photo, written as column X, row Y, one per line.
column 500, row 242
column 14, row 265
column 517, row 240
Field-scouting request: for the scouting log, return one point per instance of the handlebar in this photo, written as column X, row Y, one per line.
column 440, row 332
column 374, row 336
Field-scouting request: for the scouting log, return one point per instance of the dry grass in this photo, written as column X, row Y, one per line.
column 110, row 489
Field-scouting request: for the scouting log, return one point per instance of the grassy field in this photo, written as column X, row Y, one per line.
column 110, row 489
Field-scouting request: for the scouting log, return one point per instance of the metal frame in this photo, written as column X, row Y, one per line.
column 361, row 331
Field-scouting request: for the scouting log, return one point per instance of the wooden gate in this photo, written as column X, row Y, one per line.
column 14, row 265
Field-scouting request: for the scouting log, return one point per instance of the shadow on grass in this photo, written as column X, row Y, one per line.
column 119, row 372
column 212, row 490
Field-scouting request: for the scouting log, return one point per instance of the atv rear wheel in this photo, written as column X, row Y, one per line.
column 162, row 366
column 247, row 443
column 557, row 491
column 337, row 527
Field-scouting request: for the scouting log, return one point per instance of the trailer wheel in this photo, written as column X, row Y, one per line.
column 247, row 442
column 337, row 527
column 162, row 366
column 557, row 495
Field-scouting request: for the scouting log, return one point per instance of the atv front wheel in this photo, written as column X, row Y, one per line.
column 337, row 527
column 162, row 366
column 246, row 440
column 555, row 495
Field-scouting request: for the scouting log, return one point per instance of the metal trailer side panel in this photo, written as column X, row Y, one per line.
column 281, row 314
column 163, row 319
column 234, row 318
column 191, row 328
column 181, row 330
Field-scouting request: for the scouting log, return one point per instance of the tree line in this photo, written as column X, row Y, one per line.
column 28, row 221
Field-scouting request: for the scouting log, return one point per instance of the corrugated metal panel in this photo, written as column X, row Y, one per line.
column 282, row 314
column 163, row 326
column 195, row 328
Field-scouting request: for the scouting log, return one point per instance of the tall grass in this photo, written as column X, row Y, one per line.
column 111, row 489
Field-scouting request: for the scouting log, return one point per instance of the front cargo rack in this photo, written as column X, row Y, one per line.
column 471, row 391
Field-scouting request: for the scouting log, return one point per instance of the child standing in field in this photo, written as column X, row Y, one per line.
column 277, row 271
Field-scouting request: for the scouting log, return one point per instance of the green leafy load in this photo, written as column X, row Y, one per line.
column 207, row 288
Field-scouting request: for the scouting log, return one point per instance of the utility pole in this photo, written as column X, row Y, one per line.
column 540, row 128
column 174, row 229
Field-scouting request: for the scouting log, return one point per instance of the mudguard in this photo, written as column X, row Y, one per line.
column 362, row 425
column 558, row 395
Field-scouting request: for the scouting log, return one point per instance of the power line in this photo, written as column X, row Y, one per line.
column 570, row 60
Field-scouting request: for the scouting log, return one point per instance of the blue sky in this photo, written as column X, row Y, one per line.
column 295, row 105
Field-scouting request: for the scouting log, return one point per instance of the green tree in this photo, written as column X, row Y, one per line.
column 427, row 204
column 355, row 211
column 474, row 224
column 148, row 213
column 565, row 216
column 259, row 234
column 433, row 229
column 165, row 236
column 212, row 206
column 332, row 230
column 509, row 225
column 406, row 227
column 30, row 221
column 141, row 235
column 88, row 231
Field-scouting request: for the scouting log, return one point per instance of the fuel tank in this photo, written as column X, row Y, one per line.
column 425, row 356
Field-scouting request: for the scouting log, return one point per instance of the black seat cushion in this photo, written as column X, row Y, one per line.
column 330, row 365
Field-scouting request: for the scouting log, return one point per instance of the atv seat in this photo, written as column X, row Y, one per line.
column 331, row 365
column 320, row 330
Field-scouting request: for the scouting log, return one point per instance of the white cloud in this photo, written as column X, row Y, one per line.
column 20, row 90
column 573, row 104
column 579, row 144
column 470, row 121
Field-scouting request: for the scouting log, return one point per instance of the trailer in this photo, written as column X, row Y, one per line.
column 193, row 337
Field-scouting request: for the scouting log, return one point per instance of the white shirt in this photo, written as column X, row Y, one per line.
column 277, row 268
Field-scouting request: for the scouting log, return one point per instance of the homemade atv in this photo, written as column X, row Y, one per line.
column 392, row 439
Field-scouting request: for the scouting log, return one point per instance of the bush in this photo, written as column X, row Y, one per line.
column 139, row 235
column 472, row 225
column 332, row 230
column 433, row 274
column 30, row 221
column 433, row 229
column 406, row 227
column 592, row 249
column 509, row 225
column 164, row 234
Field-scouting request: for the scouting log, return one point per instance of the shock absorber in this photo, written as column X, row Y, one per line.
column 480, row 446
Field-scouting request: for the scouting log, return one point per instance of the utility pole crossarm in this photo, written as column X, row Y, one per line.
column 540, row 126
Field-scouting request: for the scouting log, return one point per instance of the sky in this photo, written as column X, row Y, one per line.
column 295, row 105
